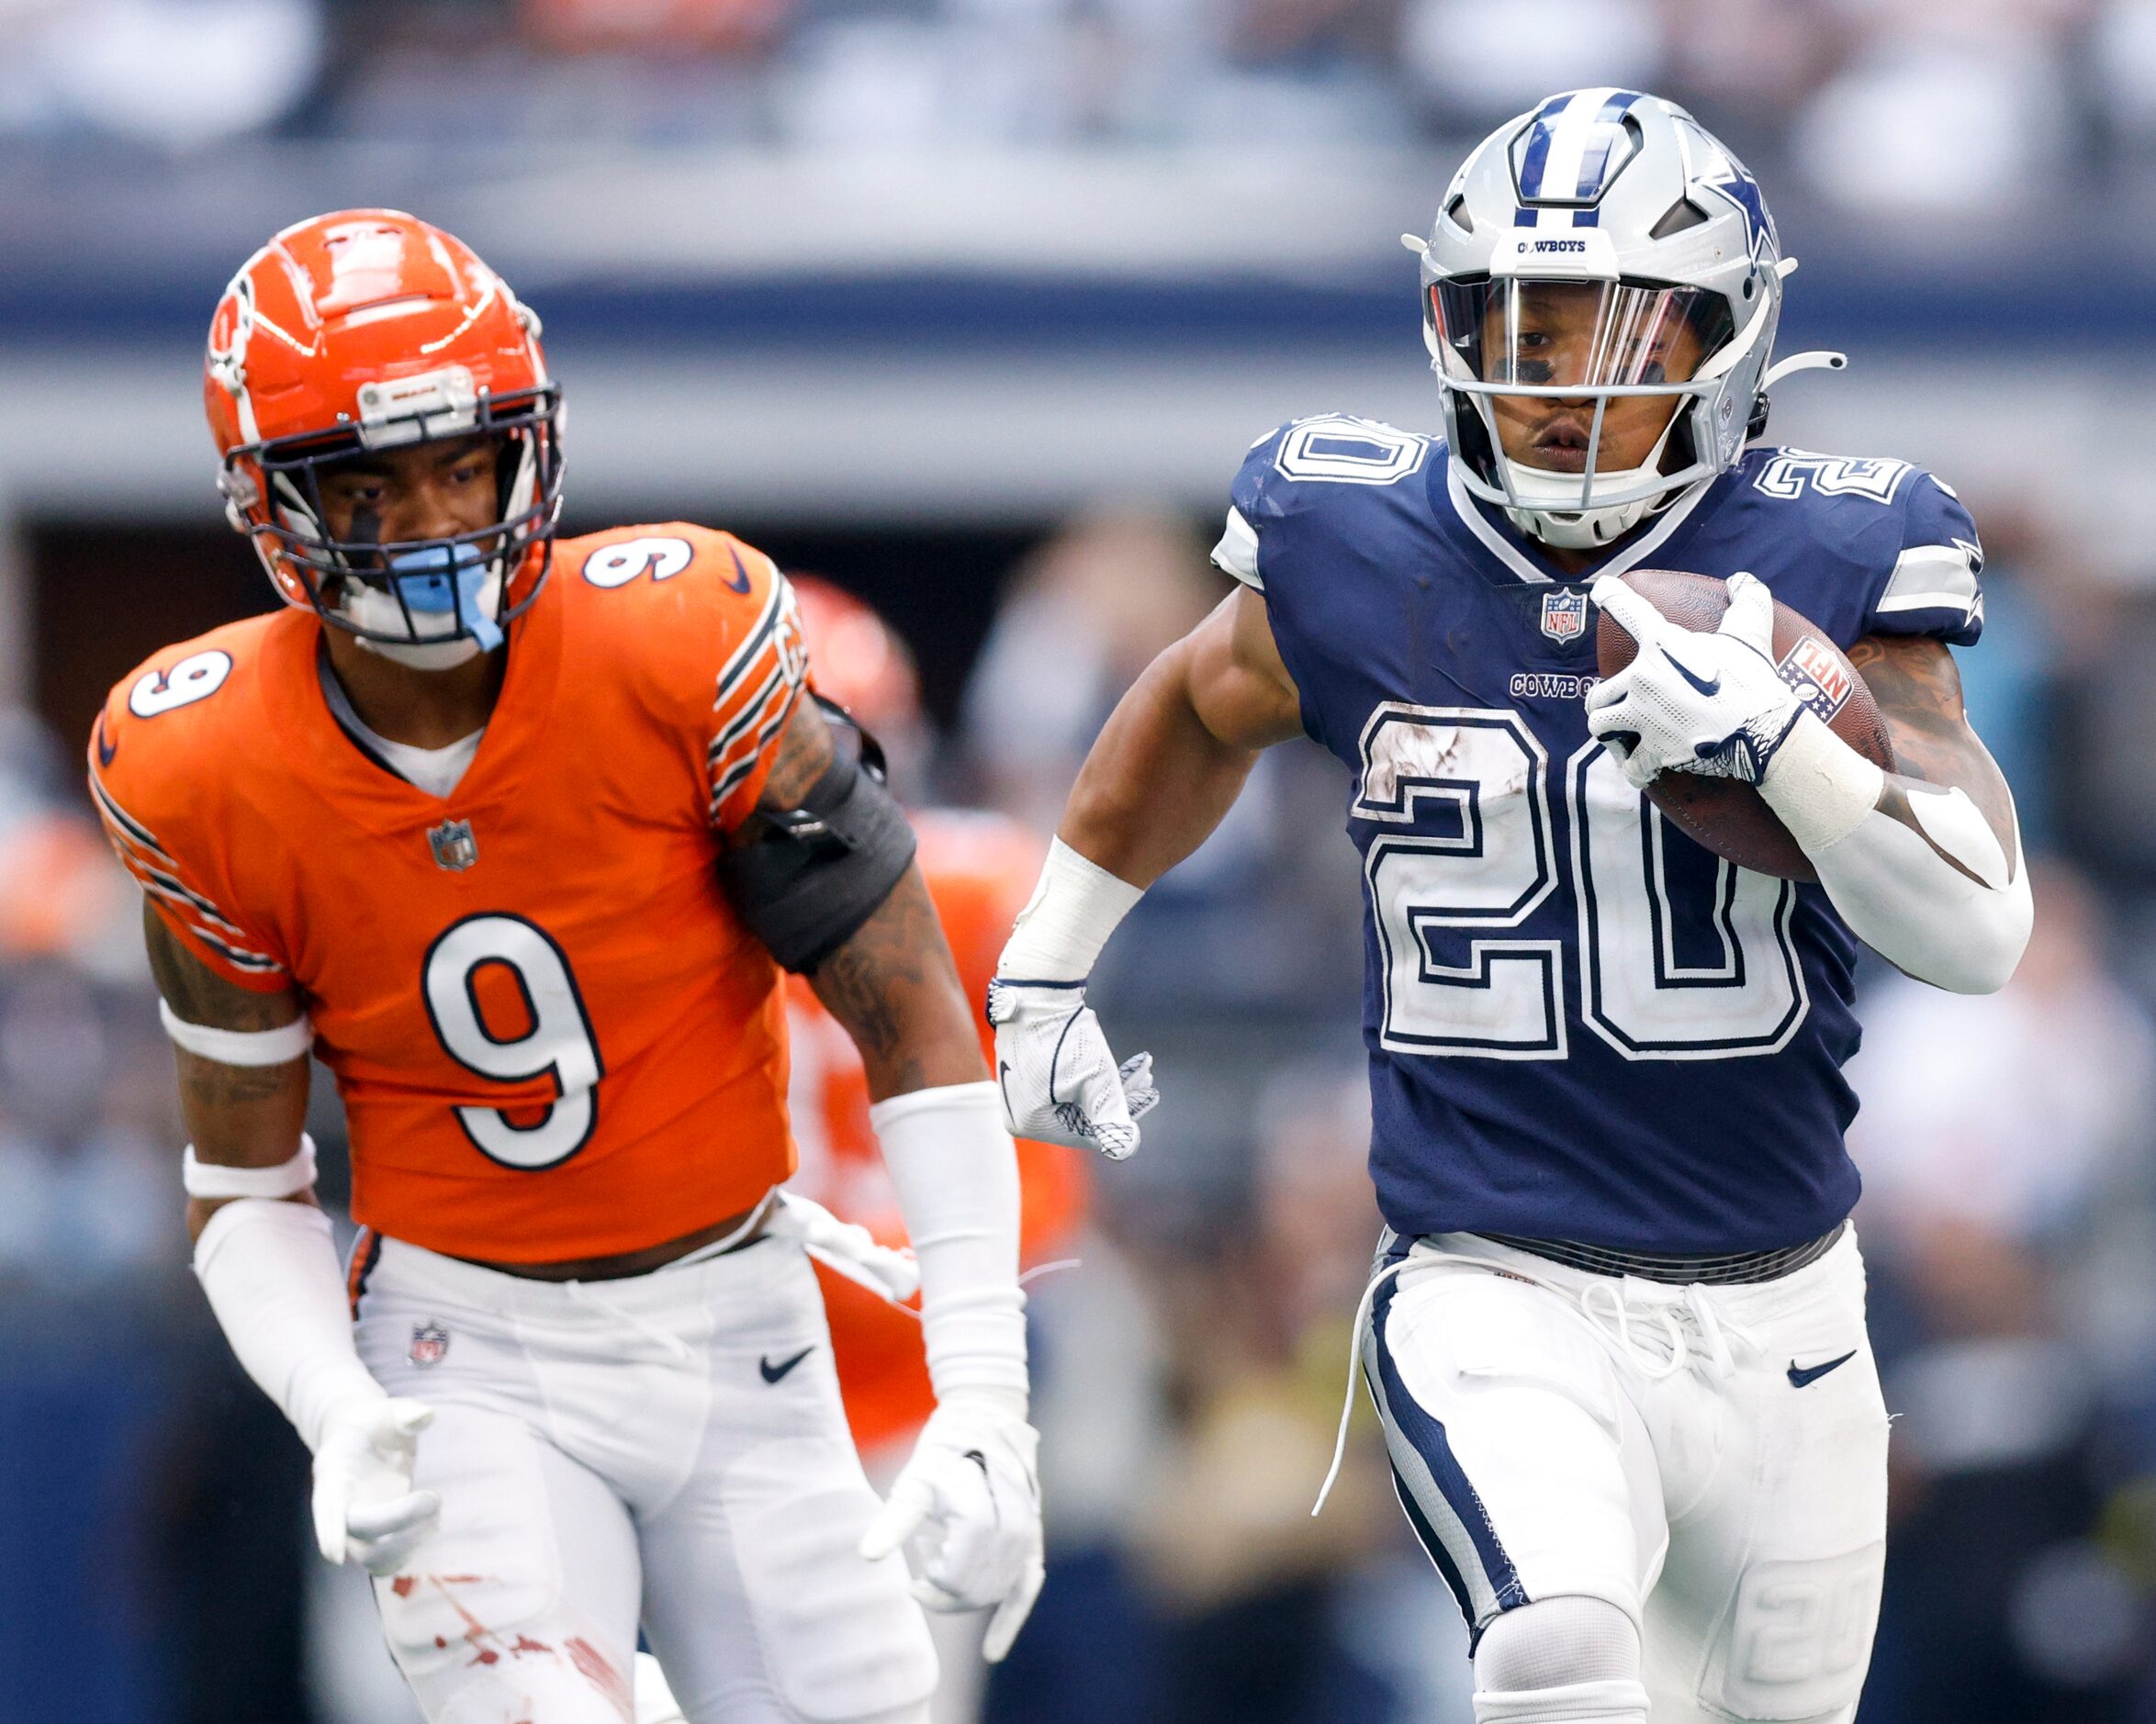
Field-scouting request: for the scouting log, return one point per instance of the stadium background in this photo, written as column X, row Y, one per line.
column 973, row 305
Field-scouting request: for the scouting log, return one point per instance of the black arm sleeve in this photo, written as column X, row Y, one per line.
column 805, row 879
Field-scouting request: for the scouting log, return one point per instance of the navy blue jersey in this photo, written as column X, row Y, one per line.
column 1581, row 1025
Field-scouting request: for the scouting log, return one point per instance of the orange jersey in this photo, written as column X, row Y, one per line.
column 980, row 871
column 554, row 1037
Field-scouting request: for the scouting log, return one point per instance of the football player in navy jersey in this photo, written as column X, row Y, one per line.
column 1616, row 1331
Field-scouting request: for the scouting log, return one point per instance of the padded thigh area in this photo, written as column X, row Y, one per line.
column 1511, row 1442
column 490, row 1623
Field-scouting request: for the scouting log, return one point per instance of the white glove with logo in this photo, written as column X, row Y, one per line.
column 1714, row 704
column 966, row 1510
column 1060, row 1083
column 364, row 1507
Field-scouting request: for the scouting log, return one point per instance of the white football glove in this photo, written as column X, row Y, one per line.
column 364, row 1508
column 1059, row 1082
column 966, row 1510
column 1713, row 704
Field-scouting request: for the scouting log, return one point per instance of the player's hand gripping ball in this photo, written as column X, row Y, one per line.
column 1702, row 680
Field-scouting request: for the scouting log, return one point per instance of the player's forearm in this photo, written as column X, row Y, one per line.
column 895, row 988
column 1157, row 781
column 1917, row 869
column 271, row 1274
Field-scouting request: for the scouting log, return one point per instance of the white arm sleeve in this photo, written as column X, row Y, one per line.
column 1946, row 904
column 1076, row 905
column 956, row 1173
column 271, row 1272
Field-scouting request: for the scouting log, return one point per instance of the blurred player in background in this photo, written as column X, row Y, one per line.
column 1616, row 1337
column 979, row 868
column 518, row 835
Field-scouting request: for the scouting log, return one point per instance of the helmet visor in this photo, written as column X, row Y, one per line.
column 1595, row 337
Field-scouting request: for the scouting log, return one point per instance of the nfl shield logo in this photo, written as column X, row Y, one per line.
column 1815, row 671
column 430, row 1341
column 1563, row 615
column 454, row 848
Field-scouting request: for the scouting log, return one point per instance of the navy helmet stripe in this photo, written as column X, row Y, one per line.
column 1538, row 145
column 1594, row 161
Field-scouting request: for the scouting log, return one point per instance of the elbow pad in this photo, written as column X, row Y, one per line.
column 806, row 878
column 1939, row 899
column 1946, row 905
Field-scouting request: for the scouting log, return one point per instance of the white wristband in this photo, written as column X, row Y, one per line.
column 1067, row 921
column 956, row 1173
column 239, row 1048
column 1819, row 787
column 213, row 1179
column 273, row 1279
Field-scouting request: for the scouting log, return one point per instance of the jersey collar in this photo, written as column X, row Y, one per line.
column 1518, row 554
column 322, row 751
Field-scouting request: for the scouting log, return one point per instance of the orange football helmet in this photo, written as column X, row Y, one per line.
column 860, row 661
column 368, row 329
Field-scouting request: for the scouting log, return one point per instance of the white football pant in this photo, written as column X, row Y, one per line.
column 1709, row 1460
column 668, row 1447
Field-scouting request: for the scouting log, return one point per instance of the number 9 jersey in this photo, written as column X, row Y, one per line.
column 553, row 1036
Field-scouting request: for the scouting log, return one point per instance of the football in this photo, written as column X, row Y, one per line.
column 1730, row 818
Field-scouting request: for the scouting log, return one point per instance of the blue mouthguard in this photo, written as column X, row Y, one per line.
column 453, row 577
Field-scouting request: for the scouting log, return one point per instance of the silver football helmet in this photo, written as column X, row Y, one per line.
column 1601, row 247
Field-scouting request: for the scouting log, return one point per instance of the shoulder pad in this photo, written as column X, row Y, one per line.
column 1902, row 529
column 708, row 628
column 167, row 748
column 1298, row 467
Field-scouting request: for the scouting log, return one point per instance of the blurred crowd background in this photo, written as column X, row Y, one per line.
column 971, row 305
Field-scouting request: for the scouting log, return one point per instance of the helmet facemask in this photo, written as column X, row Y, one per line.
column 1641, row 365
column 428, row 603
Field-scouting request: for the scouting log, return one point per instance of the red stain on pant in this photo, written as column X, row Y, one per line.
column 595, row 1667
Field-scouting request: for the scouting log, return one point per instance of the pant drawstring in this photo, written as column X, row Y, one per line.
column 1714, row 1357
column 844, row 1248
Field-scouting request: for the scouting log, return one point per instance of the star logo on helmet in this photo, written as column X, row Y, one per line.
column 1725, row 173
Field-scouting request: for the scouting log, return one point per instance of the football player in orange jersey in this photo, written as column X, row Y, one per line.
column 521, row 858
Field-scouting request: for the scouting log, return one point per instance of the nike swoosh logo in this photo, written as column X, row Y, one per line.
column 1705, row 687
column 772, row 1373
column 1812, row 1374
column 105, row 750
column 740, row 581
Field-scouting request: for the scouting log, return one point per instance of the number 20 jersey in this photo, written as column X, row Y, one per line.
column 553, row 1036
column 1581, row 1025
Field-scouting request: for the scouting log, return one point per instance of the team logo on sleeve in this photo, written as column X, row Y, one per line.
column 430, row 1344
column 453, row 846
column 1817, row 674
column 1563, row 615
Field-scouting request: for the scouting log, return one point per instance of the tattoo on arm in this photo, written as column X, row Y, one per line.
column 199, row 995
column 806, row 749
column 895, row 988
column 1919, row 693
column 240, row 1116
